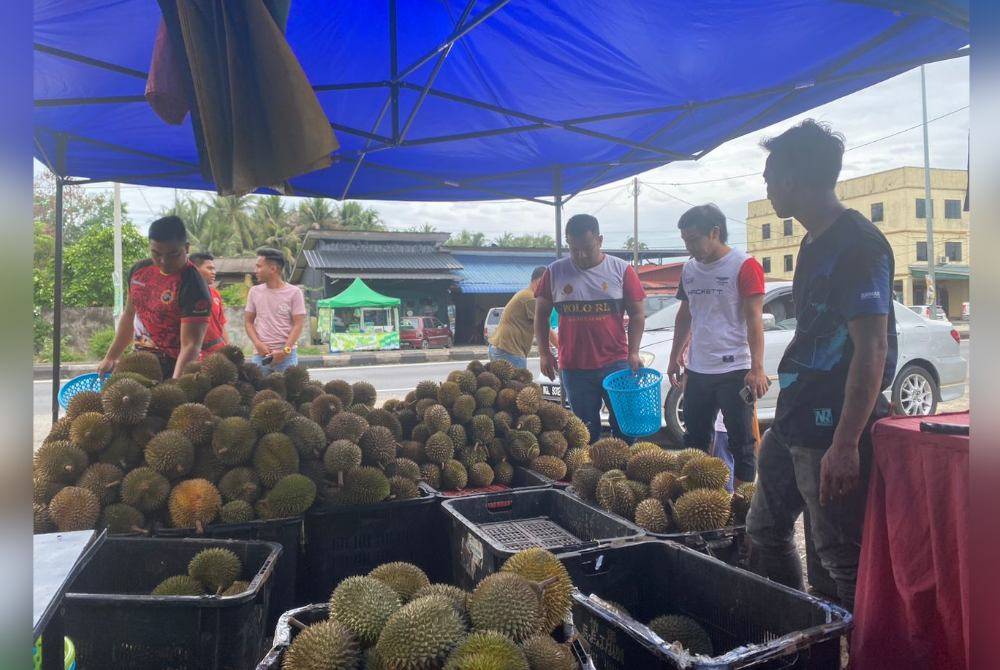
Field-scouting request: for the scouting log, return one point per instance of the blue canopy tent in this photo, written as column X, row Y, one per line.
column 445, row 100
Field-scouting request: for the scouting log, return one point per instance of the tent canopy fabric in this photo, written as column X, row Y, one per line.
column 482, row 99
column 358, row 294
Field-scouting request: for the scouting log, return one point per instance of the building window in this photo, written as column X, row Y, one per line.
column 766, row 263
column 953, row 209
column 922, row 208
column 953, row 250
column 788, row 262
column 765, row 231
column 877, row 213
column 922, row 252
column 787, row 223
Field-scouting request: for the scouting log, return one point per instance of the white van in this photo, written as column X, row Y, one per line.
column 491, row 323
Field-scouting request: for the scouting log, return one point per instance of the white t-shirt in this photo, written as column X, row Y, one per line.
column 714, row 293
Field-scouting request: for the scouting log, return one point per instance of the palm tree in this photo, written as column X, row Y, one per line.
column 202, row 225
column 505, row 240
column 274, row 228
column 232, row 216
column 630, row 244
column 315, row 214
column 353, row 216
column 467, row 239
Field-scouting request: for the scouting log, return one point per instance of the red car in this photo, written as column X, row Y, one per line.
column 424, row 332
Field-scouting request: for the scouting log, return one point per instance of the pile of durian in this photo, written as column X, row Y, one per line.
column 214, row 571
column 662, row 491
column 395, row 618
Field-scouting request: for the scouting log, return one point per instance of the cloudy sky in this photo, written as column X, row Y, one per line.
column 874, row 113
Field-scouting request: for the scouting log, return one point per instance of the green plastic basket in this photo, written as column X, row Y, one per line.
column 69, row 655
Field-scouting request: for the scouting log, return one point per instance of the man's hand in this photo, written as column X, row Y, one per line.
column 107, row 366
column 279, row 355
column 757, row 380
column 674, row 373
column 839, row 472
column 547, row 362
column 261, row 349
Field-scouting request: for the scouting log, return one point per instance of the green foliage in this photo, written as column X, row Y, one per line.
column 90, row 264
column 234, row 295
column 467, row 239
column 41, row 330
column 539, row 241
column 99, row 343
column 630, row 244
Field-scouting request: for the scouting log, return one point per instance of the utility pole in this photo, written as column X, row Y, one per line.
column 116, row 279
column 931, row 292
column 635, row 221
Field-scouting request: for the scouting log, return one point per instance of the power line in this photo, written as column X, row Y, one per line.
column 690, row 204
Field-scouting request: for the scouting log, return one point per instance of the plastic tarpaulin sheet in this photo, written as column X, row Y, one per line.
column 485, row 99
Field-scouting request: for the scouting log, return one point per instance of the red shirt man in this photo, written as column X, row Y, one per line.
column 215, row 336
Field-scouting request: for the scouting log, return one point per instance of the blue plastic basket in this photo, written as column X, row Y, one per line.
column 635, row 400
column 88, row 382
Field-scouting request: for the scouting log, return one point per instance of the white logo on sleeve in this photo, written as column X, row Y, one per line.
column 871, row 295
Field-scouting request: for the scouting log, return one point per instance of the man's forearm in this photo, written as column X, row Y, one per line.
column 636, row 324
column 542, row 328
column 187, row 354
column 293, row 337
column 755, row 338
column 252, row 334
column 864, row 377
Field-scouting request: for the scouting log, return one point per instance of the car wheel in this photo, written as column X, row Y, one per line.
column 425, row 344
column 914, row 392
column 673, row 413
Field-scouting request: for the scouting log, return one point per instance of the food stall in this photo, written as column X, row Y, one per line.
column 359, row 319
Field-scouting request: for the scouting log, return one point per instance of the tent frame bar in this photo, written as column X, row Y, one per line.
column 57, row 294
column 87, row 60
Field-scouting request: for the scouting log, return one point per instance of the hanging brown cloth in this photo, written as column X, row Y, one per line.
column 256, row 119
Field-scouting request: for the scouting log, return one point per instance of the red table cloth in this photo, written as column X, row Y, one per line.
column 912, row 604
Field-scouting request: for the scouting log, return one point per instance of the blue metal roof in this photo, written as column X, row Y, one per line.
column 497, row 273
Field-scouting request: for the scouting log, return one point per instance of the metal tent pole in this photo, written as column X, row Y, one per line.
column 930, row 293
column 57, row 297
column 557, row 189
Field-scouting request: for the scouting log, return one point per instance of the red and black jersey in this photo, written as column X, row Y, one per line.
column 162, row 302
column 215, row 335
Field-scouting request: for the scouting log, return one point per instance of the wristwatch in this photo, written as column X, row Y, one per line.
column 288, row 350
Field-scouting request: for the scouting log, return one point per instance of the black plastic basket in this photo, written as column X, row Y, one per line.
column 340, row 541
column 522, row 480
column 115, row 623
column 310, row 614
column 486, row 530
column 751, row 621
column 286, row 532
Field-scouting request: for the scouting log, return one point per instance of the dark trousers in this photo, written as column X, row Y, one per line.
column 585, row 392
column 704, row 396
column 788, row 483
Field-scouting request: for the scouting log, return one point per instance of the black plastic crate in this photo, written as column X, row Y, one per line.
column 752, row 621
column 286, row 532
column 284, row 634
column 523, row 479
column 115, row 623
column 486, row 530
column 341, row 541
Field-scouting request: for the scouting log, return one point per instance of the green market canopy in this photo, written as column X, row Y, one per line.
column 358, row 294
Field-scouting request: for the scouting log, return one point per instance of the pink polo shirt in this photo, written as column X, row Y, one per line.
column 274, row 309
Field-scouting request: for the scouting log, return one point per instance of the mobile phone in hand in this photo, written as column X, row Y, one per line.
column 267, row 360
column 748, row 395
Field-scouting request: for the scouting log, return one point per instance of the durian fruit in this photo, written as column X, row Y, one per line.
column 346, row 426
column 342, row 390
column 363, row 605
column 326, row 645
column 385, row 418
column 402, row 488
column 486, row 397
column 523, row 447
column 458, row 436
column 420, row 433
column 503, row 473
column 250, row 373
column 503, row 423
column 240, row 483
column 702, row 509
column 91, row 432
column 742, row 498
column 427, row 389
column 585, row 481
column 609, row 453
column 238, row 588
column 60, row 461
column 310, row 391
column 650, row 515
column 194, row 503
column 360, row 409
column 170, row 453
column 448, row 392
column 423, row 405
column 507, row 400
column 528, row 399
column 41, row 521
column 403, row 467
column 544, row 653
column 74, row 508
column 489, row 380
column 378, row 446
column 59, row 430
column 264, row 394
column 233, row 353
column 465, row 379
column 195, row 386
column 364, row 393
column 270, row 416
column 704, row 473
column 179, row 585
column 296, row 378
column 341, row 456
column 142, row 432
column 665, row 487
column 207, row 466
column 407, row 420
column 542, row 567
column 497, row 451
column 125, row 402
column 549, row 466
column 615, row 495
column 504, row 370
column 576, row 433
column 523, row 375
column 530, row 423
column 485, row 650
column 83, row 402
column 233, row 440
column 641, row 490
column 458, row 597
column 553, row 416
column 439, row 448
column 576, row 459
column 165, row 398
column 103, row 480
column 683, row 630
column 552, row 443
column 639, row 447
column 420, row 634
column 437, row 418
column 219, row 369
column 195, row 421
column 121, row 518
column 431, row 474
column 365, row 486
column 507, row 603
column 645, row 465
column 480, row 474
column 403, row 578
column 454, row 476
column 476, row 367
column 392, row 405
column 145, row 489
column 464, row 408
column 143, row 363
column 236, row 511
column 684, row 456
column 275, row 382
column 291, row 496
column 224, row 400
column 325, row 407
column 216, row 568
column 483, row 430
column 307, row 436
column 275, row 457
column 42, row 490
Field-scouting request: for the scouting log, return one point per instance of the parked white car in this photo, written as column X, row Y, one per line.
column 491, row 323
column 930, row 368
